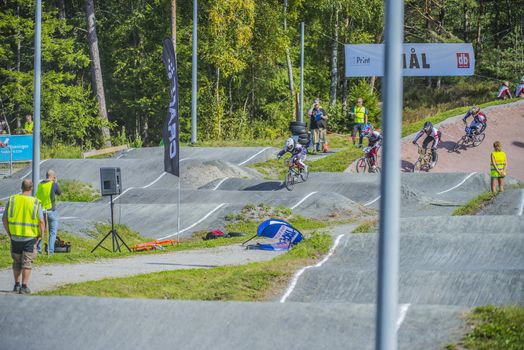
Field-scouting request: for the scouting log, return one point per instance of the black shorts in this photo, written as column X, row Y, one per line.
column 23, row 246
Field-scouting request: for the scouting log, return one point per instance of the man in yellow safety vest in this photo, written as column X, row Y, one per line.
column 46, row 193
column 23, row 221
column 28, row 125
column 360, row 118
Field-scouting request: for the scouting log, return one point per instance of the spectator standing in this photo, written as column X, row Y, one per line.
column 46, row 193
column 318, row 124
column 519, row 91
column 504, row 91
column 498, row 167
column 23, row 220
column 28, row 124
column 360, row 119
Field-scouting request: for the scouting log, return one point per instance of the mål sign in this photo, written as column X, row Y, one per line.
column 364, row 60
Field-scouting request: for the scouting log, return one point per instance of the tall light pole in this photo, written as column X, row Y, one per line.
column 301, row 101
column 194, row 93
column 36, row 95
column 388, row 253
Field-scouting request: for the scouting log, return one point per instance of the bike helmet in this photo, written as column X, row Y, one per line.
column 475, row 110
column 366, row 130
column 290, row 144
column 428, row 126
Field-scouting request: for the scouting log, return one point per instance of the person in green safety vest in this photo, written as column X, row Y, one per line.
column 28, row 125
column 23, row 221
column 360, row 119
column 46, row 193
column 498, row 164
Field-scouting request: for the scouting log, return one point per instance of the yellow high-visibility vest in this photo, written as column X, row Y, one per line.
column 43, row 193
column 28, row 127
column 500, row 159
column 23, row 215
column 360, row 113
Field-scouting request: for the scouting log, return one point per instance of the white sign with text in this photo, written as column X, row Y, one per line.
column 365, row 60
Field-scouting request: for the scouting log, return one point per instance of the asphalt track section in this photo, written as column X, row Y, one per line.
column 443, row 271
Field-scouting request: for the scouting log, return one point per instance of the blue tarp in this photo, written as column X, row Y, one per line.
column 280, row 230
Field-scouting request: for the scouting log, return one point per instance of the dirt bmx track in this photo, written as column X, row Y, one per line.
column 505, row 124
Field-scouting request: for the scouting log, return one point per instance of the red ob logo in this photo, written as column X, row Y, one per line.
column 463, row 60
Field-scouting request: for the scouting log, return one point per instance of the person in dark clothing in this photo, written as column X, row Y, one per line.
column 318, row 125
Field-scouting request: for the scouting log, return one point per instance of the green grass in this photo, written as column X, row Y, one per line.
column 367, row 227
column 249, row 217
column 474, row 205
column 77, row 191
column 495, row 328
column 59, row 150
column 337, row 162
column 255, row 281
column 81, row 246
column 274, row 169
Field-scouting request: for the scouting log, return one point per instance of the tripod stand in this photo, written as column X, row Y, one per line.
column 115, row 237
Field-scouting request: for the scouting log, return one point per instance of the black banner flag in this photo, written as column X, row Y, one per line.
column 170, row 131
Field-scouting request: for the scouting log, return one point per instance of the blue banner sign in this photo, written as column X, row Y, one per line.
column 20, row 145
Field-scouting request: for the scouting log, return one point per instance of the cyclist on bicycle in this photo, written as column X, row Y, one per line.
column 432, row 135
column 298, row 152
column 479, row 123
column 375, row 141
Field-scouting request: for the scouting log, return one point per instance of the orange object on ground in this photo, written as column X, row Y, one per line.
column 153, row 245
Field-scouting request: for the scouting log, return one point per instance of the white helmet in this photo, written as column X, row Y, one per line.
column 290, row 144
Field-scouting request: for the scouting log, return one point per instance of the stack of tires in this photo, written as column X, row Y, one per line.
column 299, row 132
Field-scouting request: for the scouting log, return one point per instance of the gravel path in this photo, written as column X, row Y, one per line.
column 51, row 276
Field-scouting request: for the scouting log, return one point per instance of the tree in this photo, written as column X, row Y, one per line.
column 97, row 81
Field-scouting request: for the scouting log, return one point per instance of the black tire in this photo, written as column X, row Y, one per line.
column 304, row 174
column 303, row 139
column 459, row 144
column 361, row 165
column 303, row 136
column 297, row 130
column 297, row 124
column 479, row 139
column 303, row 142
column 289, row 181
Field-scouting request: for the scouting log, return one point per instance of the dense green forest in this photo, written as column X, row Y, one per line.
column 248, row 68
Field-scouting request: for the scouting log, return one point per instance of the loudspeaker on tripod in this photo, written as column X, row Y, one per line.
column 110, row 181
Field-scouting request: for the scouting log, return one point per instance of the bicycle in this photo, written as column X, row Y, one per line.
column 423, row 162
column 472, row 138
column 364, row 163
column 294, row 173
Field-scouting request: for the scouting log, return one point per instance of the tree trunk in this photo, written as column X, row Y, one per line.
column 96, row 70
column 427, row 13
column 61, row 9
column 479, row 26
column 440, row 29
column 466, row 23
column 173, row 23
column 345, row 98
column 291, row 84
column 373, row 80
column 334, row 62
column 219, row 113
